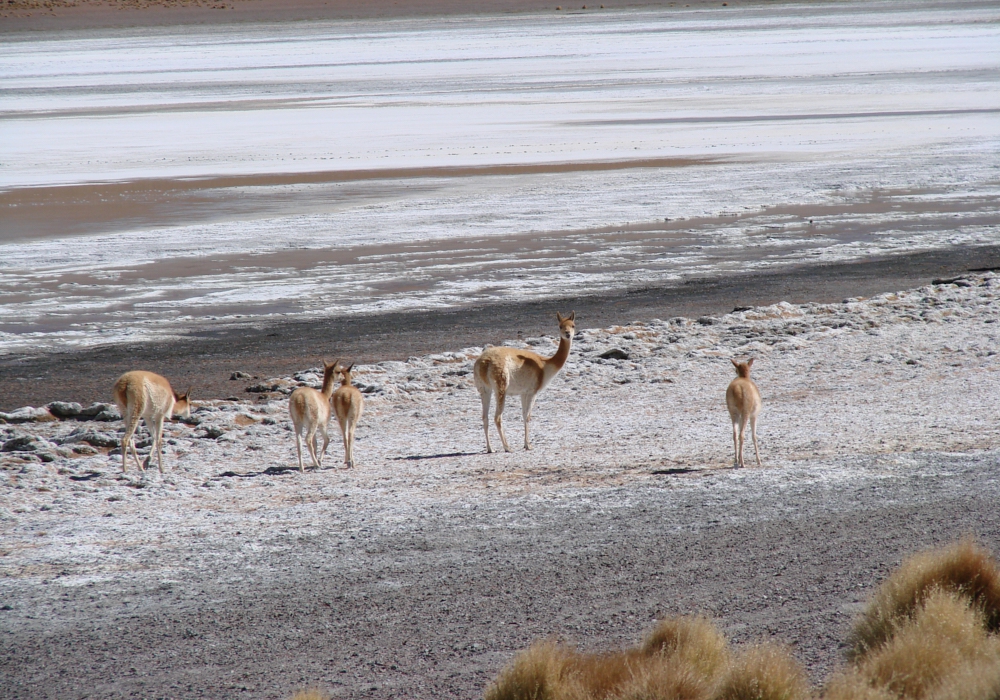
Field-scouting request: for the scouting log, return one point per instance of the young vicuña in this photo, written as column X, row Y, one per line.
column 310, row 411
column 147, row 396
column 512, row 371
column 743, row 400
column 348, row 404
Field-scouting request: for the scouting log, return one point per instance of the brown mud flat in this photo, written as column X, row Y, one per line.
column 206, row 359
column 54, row 15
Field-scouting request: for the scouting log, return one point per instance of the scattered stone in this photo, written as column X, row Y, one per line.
column 28, row 414
column 707, row 321
column 64, row 409
column 91, row 437
column 21, row 443
column 614, row 354
column 100, row 412
column 239, row 375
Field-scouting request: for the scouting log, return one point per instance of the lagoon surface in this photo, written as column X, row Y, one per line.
column 158, row 180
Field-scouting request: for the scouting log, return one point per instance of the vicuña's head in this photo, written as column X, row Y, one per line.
column 743, row 368
column 567, row 325
column 182, row 403
column 345, row 372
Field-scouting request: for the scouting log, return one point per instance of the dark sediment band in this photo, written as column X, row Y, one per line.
column 206, row 359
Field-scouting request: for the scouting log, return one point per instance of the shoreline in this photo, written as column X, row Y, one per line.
column 206, row 359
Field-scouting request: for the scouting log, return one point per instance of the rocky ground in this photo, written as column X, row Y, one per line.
column 420, row 572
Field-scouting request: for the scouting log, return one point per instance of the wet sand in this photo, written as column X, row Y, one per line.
column 206, row 359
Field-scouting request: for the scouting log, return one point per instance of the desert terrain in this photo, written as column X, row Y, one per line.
column 422, row 570
column 229, row 193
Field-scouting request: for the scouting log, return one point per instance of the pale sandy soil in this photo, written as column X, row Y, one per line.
column 419, row 572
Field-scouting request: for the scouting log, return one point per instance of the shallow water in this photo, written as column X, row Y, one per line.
column 160, row 179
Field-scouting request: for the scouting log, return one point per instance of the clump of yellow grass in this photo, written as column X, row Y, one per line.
column 964, row 568
column 683, row 658
column 310, row 694
column 931, row 655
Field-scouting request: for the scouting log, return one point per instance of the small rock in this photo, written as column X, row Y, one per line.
column 21, row 443
column 706, row 321
column 91, row 437
column 28, row 414
column 614, row 354
column 214, row 431
column 239, row 375
column 64, row 409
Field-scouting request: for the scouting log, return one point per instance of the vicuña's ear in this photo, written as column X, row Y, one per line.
column 559, row 317
column 572, row 316
column 735, row 363
column 334, row 365
column 187, row 394
column 750, row 362
column 349, row 367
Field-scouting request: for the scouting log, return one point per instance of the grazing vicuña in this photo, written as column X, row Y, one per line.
column 147, row 396
column 513, row 371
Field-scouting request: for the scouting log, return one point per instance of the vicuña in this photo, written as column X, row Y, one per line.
column 348, row 404
column 512, row 371
column 743, row 400
column 310, row 411
column 147, row 396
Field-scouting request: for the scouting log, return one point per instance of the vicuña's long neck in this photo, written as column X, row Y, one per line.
column 559, row 359
column 328, row 381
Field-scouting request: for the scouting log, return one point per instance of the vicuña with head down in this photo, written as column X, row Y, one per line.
column 310, row 411
column 147, row 396
column 516, row 372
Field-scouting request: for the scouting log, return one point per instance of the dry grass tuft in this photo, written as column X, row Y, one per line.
column 311, row 694
column 540, row 672
column 680, row 660
column 929, row 656
column 764, row 672
column 684, row 658
column 965, row 568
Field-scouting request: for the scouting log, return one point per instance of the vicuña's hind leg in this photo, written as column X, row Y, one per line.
column 298, row 449
column 498, row 418
column 349, row 450
column 311, row 446
column 743, row 431
column 736, row 446
column 131, row 424
column 485, row 395
column 753, row 434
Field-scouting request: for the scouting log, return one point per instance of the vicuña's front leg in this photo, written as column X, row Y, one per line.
column 527, row 403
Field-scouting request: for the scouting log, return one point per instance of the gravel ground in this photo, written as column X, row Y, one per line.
column 421, row 571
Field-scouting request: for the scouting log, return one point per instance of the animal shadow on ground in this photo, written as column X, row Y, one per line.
column 413, row 458
column 270, row 471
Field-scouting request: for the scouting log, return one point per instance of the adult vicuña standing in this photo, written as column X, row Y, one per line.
column 348, row 404
column 147, row 396
column 310, row 411
column 515, row 371
column 743, row 401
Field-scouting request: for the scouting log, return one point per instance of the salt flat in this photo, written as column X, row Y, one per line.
column 161, row 179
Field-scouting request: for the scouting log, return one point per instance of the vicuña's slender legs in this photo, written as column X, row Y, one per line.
column 147, row 396
column 511, row 371
column 744, row 404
